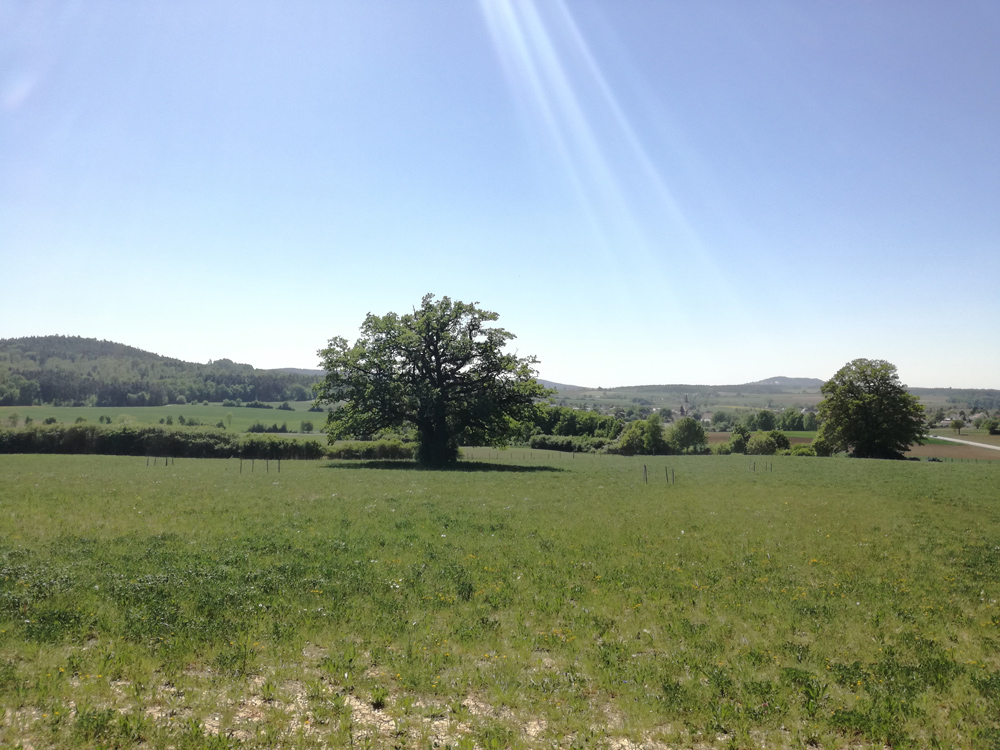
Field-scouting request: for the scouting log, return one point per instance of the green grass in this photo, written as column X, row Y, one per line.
column 520, row 602
column 242, row 417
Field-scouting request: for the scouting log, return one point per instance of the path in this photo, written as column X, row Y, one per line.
column 968, row 442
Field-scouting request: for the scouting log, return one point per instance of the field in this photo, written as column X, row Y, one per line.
column 520, row 602
column 211, row 414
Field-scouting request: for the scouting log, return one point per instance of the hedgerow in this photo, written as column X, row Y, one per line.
column 150, row 440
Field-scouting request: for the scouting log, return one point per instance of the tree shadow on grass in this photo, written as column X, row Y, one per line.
column 406, row 465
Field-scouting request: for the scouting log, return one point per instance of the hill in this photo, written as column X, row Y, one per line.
column 70, row 370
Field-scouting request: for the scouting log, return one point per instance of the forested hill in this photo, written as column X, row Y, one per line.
column 72, row 370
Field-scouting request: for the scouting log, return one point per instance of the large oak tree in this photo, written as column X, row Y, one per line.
column 441, row 368
column 868, row 412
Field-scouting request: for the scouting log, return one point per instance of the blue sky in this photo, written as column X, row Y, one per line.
column 646, row 192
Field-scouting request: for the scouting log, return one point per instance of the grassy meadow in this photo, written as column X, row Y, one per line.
column 522, row 600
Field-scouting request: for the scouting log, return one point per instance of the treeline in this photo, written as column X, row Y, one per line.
column 789, row 420
column 74, row 371
column 127, row 440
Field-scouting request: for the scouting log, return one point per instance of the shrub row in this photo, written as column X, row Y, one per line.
column 355, row 449
column 127, row 440
column 570, row 444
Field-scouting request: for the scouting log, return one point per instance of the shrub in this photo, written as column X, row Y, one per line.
column 780, row 440
column 50, row 420
column 382, row 449
column 257, row 405
column 570, row 444
column 127, row 440
column 259, row 426
column 180, row 399
column 285, row 407
column 803, row 450
column 761, row 444
column 821, row 447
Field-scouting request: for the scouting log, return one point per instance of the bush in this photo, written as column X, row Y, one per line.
column 285, row 407
column 50, row 420
column 126, row 440
column 261, row 427
column 569, row 444
column 258, row 405
column 181, row 399
column 722, row 449
column 803, row 450
column 761, row 444
column 366, row 449
column 780, row 440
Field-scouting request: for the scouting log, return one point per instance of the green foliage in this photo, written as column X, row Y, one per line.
column 78, row 371
column 781, row 441
column 632, row 441
column 563, row 420
column 642, row 437
column 441, row 369
column 791, row 419
column 127, row 440
column 261, row 427
column 761, row 444
column 803, row 450
column 571, row 444
column 687, row 435
column 739, row 439
column 957, row 425
column 377, row 449
column 869, row 413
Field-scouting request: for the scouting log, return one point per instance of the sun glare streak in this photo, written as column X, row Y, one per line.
column 552, row 69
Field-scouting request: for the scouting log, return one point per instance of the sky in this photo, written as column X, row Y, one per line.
column 645, row 192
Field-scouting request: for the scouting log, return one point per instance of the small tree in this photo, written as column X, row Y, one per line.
column 738, row 439
column 781, row 441
column 761, row 444
column 687, row 434
column 957, row 425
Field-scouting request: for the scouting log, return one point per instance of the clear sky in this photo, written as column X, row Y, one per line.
column 646, row 192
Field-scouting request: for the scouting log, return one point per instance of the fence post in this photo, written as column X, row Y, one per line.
column 645, row 477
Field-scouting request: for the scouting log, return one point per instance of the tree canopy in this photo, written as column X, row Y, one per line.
column 868, row 412
column 440, row 368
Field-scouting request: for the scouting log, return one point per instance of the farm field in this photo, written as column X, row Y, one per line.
column 242, row 417
column 520, row 601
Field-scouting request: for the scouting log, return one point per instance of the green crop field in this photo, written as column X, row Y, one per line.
column 519, row 601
